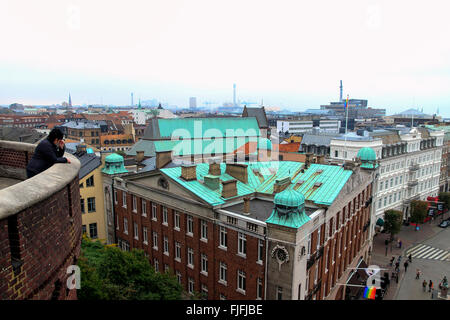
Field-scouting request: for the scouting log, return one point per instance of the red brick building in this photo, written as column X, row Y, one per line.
column 218, row 228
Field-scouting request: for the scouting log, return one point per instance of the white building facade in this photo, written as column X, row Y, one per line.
column 409, row 167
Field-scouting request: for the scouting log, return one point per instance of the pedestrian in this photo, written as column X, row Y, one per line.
column 396, row 276
column 399, row 258
column 405, row 265
column 424, row 285
column 392, row 261
column 430, row 286
column 397, row 265
column 400, row 244
column 417, row 273
column 410, row 258
column 433, row 293
column 48, row 152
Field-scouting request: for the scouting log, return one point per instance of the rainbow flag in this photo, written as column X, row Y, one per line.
column 346, row 103
column 369, row 292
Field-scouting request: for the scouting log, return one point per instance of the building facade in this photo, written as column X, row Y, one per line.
column 233, row 230
column 409, row 164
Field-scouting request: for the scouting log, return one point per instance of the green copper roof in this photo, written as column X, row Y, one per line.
column 319, row 183
column 208, row 127
column 293, row 220
column 289, row 198
column 289, row 210
column 368, row 158
column 114, row 157
column 367, row 154
column 208, row 146
column 114, row 164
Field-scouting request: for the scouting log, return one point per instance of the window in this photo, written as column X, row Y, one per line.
column 176, row 218
column 309, row 245
column 259, row 289
column 165, row 218
column 156, row 265
column 204, row 292
column 93, row 230
column 260, row 250
column 134, row 203
column 191, row 285
column 91, row 204
column 90, row 181
column 336, row 153
column 190, row 225
column 242, row 244
column 155, row 240
column 241, row 281
column 204, row 264
column 223, row 273
column 279, row 293
column 178, row 251
column 125, row 225
column 166, row 268
column 115, row 196
column 204, row 230
column 82, row 205
column 154, row 217
column 81, row 185
column 178, row 276
column 144, row 235
column 191, row 258
column 223, row 237
column 222, row 297
column 144, row 208
column 166, row 245
column 318, row 237
column 84, row 228
column 124, row 199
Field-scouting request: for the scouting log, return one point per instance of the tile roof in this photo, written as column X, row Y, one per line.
column 318, row 139
column 89, row 162
column 258, row 113
column 289, row 147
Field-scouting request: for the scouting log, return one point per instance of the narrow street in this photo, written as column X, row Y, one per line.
column 430, row 251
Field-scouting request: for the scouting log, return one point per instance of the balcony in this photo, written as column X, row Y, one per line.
column 412, row 183
column 40, row 223
column 414, row 167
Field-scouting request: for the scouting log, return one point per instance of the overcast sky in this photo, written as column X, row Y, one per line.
column 292, row 54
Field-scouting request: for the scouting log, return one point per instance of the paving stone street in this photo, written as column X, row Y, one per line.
column 430, row 251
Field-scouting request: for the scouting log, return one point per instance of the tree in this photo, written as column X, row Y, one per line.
column 108, row 273
column 445, row 198
column 418, row 211
column 392, row 222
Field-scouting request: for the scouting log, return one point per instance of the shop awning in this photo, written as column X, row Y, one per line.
column 380, row 222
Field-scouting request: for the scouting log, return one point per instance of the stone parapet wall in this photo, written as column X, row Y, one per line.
column 40, row 228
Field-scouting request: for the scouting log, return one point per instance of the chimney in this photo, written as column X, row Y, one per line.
column 229, row 188
column 139, row 155
column 237, row 171
column 188, row 172
column 214, row 169
column 212, row 182
column 281, row 184
column 246, row 206
column 81, row 148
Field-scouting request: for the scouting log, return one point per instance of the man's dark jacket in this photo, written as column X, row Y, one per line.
column 45, row 155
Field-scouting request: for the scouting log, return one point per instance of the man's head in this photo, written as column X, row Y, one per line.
column 55, row 136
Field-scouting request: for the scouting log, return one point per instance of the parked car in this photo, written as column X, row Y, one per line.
column 444, row 224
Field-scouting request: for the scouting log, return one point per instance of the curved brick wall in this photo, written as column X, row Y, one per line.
column 40, row 227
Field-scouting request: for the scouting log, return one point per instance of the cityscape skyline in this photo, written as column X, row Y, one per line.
column 290, row 55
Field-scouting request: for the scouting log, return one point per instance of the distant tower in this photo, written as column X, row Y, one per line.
column 192, row 102
column 340, row 97
column 132, row 104
column 70, row 101
column 234, row 94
